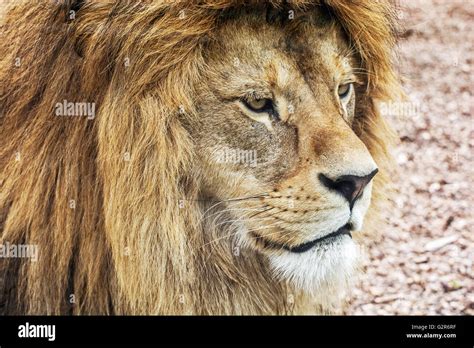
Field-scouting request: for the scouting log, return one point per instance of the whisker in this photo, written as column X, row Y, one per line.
column 227, row 210
column 238, row 219
column 234, row 232
column 235, row 199
column 243, row 218
column 268, row 226
column 263, row 211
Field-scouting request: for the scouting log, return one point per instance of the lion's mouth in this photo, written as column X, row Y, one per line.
column 344, row 230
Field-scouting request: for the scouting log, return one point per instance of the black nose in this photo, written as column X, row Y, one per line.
column 349, row 186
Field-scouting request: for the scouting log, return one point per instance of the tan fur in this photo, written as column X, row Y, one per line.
column 127, row 247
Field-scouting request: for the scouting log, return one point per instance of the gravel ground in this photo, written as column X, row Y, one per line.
column 424, row 262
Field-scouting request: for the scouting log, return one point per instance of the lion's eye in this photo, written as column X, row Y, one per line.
column 259, row 105
column 344, row 90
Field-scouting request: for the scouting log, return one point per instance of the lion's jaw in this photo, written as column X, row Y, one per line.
column 278, row 178
column 327, row 269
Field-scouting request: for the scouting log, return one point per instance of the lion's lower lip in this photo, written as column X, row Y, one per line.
column 346, row 229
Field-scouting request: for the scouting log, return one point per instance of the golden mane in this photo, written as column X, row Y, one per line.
column 112, row 203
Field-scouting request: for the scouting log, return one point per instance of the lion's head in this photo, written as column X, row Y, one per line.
column 232, row 157
column 276, row 135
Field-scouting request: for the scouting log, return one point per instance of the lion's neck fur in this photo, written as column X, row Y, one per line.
column 198, row 267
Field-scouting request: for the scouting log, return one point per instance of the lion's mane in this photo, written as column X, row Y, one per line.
column 112, row 203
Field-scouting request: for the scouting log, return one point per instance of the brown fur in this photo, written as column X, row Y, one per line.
column 122, row 248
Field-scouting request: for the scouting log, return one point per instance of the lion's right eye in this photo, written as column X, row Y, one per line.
column 344, row 90
column 260, row 109
column 259, row 105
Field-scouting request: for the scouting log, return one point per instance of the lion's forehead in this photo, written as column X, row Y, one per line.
column 279, row 57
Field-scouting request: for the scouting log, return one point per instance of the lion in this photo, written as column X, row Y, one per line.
column 228, row 160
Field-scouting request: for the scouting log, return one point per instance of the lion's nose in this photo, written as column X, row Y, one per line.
column 349, row 186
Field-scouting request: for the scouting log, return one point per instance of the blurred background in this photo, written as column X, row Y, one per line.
column 423, row 262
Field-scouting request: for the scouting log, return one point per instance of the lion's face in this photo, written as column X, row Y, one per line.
column 275, row 135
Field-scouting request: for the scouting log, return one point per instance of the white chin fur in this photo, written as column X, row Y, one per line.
column 325, row 270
